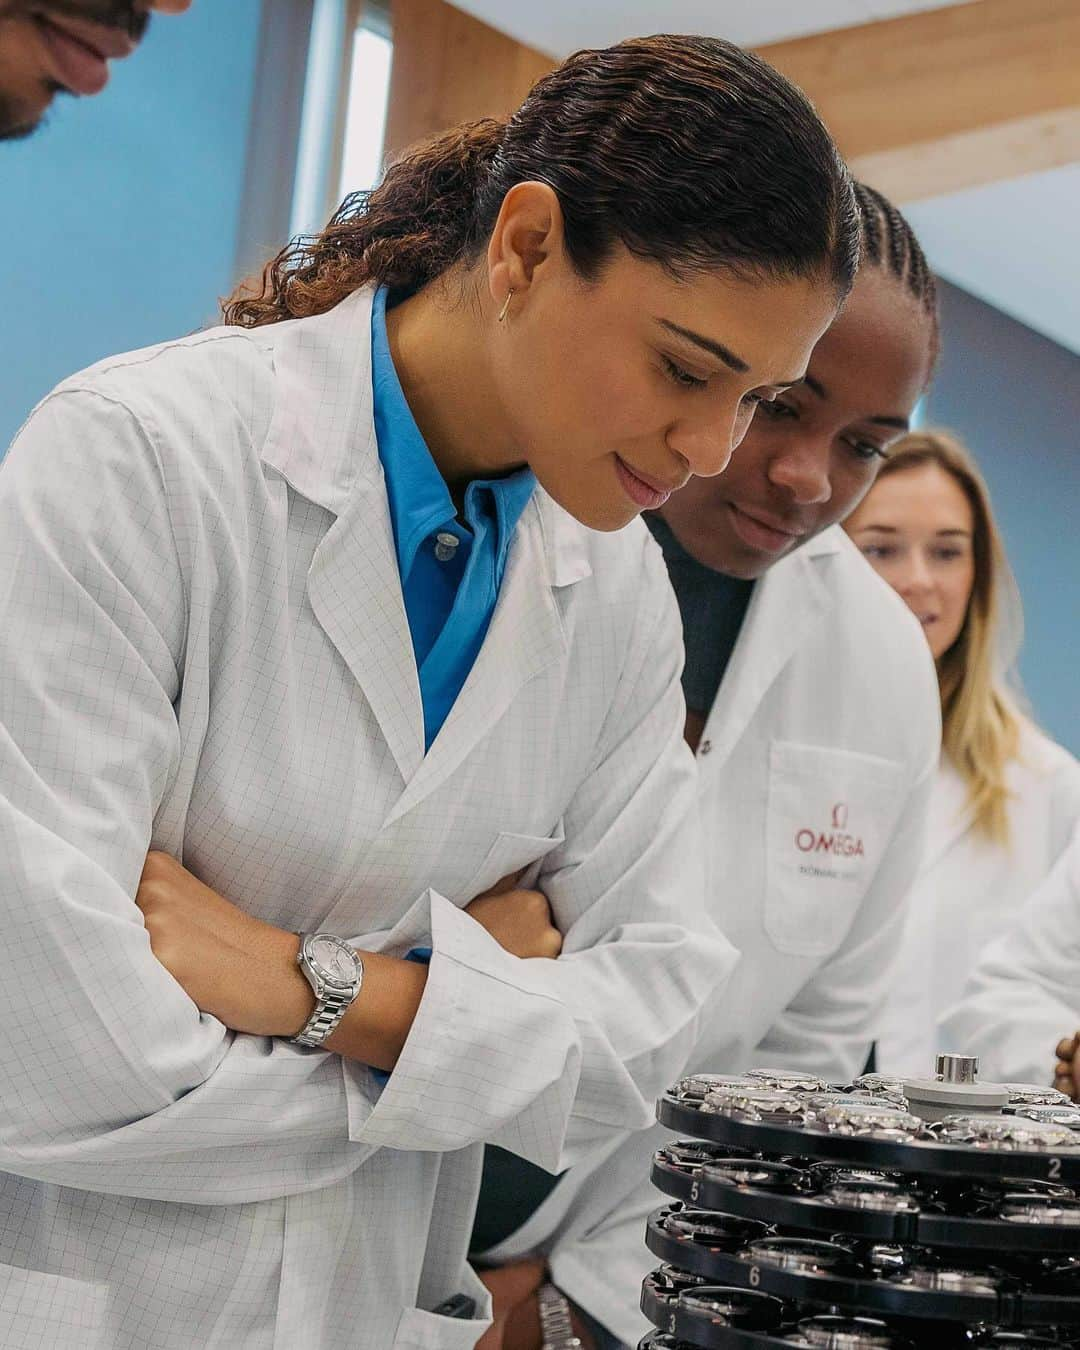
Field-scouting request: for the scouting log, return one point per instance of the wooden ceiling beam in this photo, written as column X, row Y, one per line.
column 450, row 68
column 920, row 106
column 947, row 99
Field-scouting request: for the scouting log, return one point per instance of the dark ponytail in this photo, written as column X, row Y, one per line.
column 687, row 150
column 411, row 228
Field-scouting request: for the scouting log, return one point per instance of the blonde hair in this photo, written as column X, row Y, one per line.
column 980, row 695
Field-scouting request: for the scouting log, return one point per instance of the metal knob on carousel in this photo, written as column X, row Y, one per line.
column 880, row 1213
column 954, row 1089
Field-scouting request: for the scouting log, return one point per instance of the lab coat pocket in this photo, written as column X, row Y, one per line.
column 420, row 1330
column 513, row 853
column 829, row 819
column 50, row 1312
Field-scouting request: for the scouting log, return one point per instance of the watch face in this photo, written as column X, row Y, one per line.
column 952, row 1280
column 847, row 1333
column 1031, row 1094
column 880, row 1082
column 332, row 961
column 788, row 1080
column 772, row 1176
column 1066, row 1116
column 1026, row 1207
column 884, row 1196
column 873, row 1119
column 761, row 1104
column 727, row 1307
column 690, row 1155
column 1004, row 1132
column 694, row 1086
column 672, row 1281
column 806, row 1255
column 720, row 1231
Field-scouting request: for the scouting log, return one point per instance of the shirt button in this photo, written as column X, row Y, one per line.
column 446, row 545
column 704, row 747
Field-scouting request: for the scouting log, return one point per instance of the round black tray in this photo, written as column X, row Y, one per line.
column 814, row 1214
column 928, row 1158
column 874, row 1298
column 724, row 1338
column 699, row 1329
column 683, row 1322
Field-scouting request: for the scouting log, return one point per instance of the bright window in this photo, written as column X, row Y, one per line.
column 365, row 115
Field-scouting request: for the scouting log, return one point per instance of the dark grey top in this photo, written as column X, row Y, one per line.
column 712, row 606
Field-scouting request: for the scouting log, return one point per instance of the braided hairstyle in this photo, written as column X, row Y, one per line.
column 889, row 243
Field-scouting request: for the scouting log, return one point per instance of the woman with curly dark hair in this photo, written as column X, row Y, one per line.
column 334, row 611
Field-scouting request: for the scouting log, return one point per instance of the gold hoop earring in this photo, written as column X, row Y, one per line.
column 506, row 306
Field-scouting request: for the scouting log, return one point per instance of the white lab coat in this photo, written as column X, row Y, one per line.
column 204, row 648
column 967, row 892
column 826, row 726
column 1024, row 995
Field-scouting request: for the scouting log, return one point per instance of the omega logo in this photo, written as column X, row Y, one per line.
column 835, row 841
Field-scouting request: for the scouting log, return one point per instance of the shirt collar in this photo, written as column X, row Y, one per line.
column 418, row 496
column 321, row 437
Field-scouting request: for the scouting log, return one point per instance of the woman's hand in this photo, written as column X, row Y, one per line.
column 1067, row 1071
column 519, row 921
column 516, row 1311
column 234, row 966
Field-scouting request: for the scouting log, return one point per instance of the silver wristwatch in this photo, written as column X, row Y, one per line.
column 335, row 972
column 555, row 1326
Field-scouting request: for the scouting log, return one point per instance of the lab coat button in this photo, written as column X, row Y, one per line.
column 446, row 545
column 704, row 747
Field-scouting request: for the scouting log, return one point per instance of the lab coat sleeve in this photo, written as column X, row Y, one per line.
column 829, row 1026
column 602, row 1270
column 1064, row 802
column 1024, row 994
column 546, row 1058
column 110, row 1078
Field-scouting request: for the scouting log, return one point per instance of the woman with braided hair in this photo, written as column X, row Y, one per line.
column 812, row 708
column 342, row 610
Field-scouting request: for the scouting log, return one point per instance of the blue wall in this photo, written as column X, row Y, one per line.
column 119, row 217
column 1014, row 397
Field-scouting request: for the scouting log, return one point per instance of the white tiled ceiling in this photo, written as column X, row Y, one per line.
column 1013, row 244
column 561, row 26
column 1010, row 243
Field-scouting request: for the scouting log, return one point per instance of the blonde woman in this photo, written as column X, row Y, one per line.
column 1006, row 797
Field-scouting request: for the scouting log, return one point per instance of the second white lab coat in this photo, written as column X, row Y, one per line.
column 815, row 766
column 1024, row 995
column 203, row 647
column 968, row 890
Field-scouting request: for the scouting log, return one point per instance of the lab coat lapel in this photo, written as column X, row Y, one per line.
column 525, row 637
column 948, row 818
column 787, row 603
column 355, row 591
column 322, row 440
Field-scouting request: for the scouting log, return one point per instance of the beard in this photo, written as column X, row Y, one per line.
column 14, row 123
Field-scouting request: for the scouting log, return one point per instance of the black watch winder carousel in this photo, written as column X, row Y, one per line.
column 873, row 1215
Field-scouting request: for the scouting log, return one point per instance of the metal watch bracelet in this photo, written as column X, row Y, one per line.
column 329, row 1011
column 556, row 1327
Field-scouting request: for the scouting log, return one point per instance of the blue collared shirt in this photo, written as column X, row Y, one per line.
column 451, row 570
